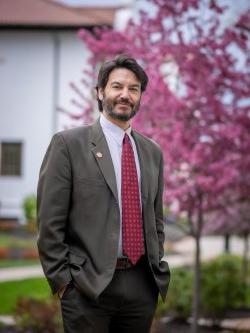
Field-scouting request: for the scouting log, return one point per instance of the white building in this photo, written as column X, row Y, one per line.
column 40, row 54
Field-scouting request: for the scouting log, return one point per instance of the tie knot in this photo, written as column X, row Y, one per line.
column 126, row 138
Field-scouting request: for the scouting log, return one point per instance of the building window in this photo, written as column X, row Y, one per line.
column 10, row 156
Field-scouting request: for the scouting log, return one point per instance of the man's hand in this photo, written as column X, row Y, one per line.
column 61, row 291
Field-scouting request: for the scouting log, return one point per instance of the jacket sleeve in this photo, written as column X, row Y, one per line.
column 158, row 207
column 53, row 201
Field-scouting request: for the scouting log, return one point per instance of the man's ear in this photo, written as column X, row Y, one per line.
column 100, row 93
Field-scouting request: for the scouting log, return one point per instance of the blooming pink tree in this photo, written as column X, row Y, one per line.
column 196, row 105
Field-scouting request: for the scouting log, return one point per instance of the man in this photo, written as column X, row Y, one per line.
column 100, row 213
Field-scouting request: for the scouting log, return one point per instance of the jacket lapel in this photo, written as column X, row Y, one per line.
column 142, row 154
column 103, row 157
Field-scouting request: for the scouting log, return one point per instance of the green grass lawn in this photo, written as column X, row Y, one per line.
column 10, row 291
column 7, row 263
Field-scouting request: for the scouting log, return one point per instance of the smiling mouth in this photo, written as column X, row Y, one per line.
column 124, row 104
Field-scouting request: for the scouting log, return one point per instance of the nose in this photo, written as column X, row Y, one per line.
column 124, row 93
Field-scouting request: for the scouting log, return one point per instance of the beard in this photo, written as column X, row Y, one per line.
column 109, row 106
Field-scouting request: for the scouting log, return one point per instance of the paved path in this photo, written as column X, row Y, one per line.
column 184, row 249
column 7, row 320
column 211, row 247
column 20, row 273
column 242, row 325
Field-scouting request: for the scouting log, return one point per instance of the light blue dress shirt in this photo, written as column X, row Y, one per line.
column 114, row 136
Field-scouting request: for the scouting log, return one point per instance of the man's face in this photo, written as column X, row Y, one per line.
column 121, row 96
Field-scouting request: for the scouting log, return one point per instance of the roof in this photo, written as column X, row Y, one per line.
column 46, row 13
column 95, row 3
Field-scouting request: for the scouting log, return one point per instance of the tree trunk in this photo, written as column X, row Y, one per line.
column 197, row 271
column 196, row 286
column 227, row 243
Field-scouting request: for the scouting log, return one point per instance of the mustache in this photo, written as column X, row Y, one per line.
column 124, row 101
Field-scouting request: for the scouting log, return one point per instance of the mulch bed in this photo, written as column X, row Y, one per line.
column 168, row 328
column 177, row 326
column 174, row 327
column 182, row 327
column 8, row 329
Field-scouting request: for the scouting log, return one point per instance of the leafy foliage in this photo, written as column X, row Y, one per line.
column 222, row 289
column 196, row 105
column 179, row 298
column 222, row 286
column 11, row 291
column 38, row 316
column 29, row 207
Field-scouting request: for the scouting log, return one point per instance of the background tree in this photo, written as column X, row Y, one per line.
column 196, row 105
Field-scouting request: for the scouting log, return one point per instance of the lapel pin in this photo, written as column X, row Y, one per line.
column 99, row 154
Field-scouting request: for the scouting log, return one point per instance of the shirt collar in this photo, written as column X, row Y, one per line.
column 115, row 131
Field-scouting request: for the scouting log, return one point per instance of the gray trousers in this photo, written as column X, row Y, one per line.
column 127, row 305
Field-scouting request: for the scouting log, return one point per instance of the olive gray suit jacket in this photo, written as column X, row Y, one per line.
column 78, row 210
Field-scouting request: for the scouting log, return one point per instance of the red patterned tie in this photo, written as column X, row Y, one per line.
column 132, row 236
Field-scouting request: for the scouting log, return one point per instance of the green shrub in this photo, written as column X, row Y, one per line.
column 221, row 289
column 221, row 286
column 179, row 298
column 29, row 207
column 38, row 316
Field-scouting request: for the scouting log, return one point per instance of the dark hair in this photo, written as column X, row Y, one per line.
column 121, row 61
